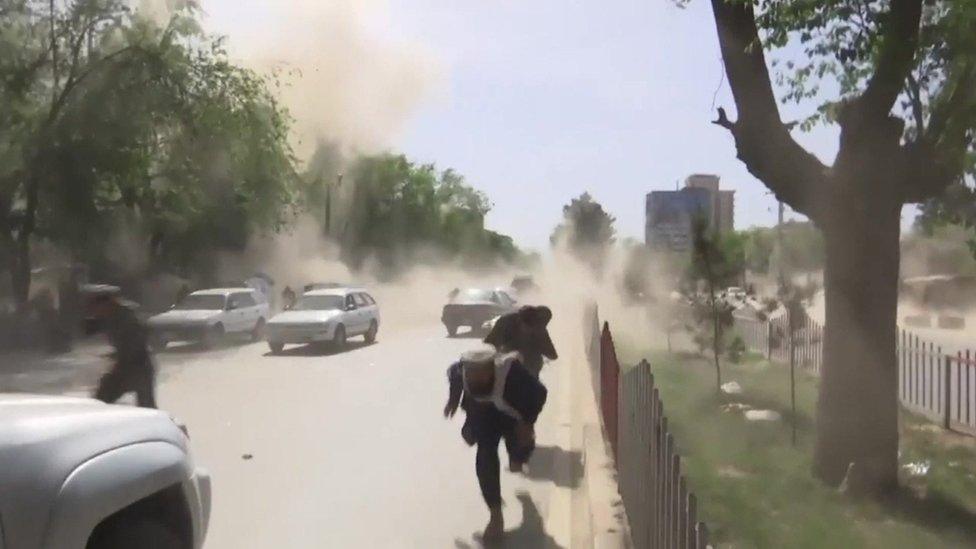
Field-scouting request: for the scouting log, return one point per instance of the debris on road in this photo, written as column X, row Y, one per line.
column 731, row 388
column 735, row 407
column 918, row 468
column 762, row 415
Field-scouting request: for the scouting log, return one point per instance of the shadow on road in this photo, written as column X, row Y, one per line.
column 547, row 464
column 188, row 347
column 321, row 349
column 531, row 534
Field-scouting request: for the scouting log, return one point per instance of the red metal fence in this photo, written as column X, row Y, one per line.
column 662, row 511
column 939, row 386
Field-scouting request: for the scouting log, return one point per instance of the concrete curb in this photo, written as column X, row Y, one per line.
column 605, row 513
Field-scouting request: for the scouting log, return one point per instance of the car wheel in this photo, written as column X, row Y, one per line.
column 370, row 335
column 451, row 330
column 213, row 336
column 276, row 347
column 257, row 334
column 339, row 338
column 144, row 533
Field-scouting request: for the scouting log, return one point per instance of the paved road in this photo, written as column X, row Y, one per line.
column 351, row 450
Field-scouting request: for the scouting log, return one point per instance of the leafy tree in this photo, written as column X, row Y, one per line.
column 125, row 126
column 905, row 73
column 795, row 299
column 401, row 211
column 587, row 230
column 712, row 266
column 802, row 247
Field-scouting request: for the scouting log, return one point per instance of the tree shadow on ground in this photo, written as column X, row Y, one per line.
column 314, row 350
column 531, row 534
column 547, row 464
column 934, row 511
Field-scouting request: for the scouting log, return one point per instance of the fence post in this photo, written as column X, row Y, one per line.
column 948, row 391
column 702, row 534
column 609, row 374
column 692, row 519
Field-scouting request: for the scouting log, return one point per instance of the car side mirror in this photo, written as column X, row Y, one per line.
column 231, row 306
column 351, row 307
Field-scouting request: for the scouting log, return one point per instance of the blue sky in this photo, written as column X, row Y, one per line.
column 539, row 101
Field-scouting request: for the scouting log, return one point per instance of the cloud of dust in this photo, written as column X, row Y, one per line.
column 415, row 298
column 342, row 78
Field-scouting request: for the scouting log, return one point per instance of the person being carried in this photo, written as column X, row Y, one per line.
column 133, row 369
column 501, row 400
column 525, row 331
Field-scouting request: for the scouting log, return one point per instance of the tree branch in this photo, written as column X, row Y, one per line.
column 763, row 142
column 71, row 85
column 896, row 59
column 918, row 112
column 938, row 158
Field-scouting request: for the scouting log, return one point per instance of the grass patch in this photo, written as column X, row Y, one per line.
column 756, row 490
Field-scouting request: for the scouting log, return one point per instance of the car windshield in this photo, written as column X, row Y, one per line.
column 198, row 302
column 472, row 296
column 320, row 303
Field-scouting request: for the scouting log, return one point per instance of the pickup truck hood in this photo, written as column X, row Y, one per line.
column 177, row 316
column 303, row 317
column 44, row 438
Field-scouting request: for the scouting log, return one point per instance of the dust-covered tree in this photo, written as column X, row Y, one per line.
column 795, row 299
column 714, row 263
column 586, row 230
column 897, row 77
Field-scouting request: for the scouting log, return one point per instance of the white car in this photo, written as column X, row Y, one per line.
column 207, row 315
column 326, row 316
column 80, row 474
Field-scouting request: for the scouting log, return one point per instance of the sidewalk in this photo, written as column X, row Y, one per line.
column 590, row 515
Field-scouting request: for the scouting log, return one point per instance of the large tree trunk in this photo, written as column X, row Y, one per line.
column 857, row 411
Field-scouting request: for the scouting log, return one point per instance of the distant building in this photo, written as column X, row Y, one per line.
column 668, row 214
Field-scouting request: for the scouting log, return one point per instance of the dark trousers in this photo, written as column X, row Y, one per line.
column 121, row 380
column 487, row 464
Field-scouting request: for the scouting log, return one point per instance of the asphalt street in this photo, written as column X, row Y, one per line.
column 350, row 449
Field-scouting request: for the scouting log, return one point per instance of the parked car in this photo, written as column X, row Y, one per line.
column 209, row 315
column 81, row 474
column 474, row 307
column 326, row 316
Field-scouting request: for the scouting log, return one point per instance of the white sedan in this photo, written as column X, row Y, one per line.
column 207, row 315
column 326, row 316
column 80, row 474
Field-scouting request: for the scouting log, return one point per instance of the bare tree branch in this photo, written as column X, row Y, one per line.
column 896, row 60
column 763, row 142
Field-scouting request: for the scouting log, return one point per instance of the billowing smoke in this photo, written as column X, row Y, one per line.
column 341, row 77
